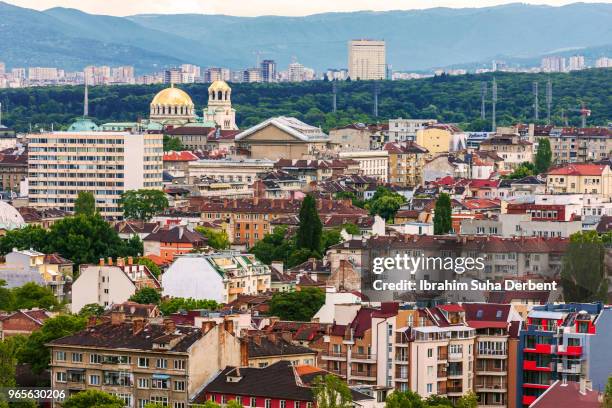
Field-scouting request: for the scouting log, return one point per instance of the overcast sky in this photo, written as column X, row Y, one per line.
column 259, row 7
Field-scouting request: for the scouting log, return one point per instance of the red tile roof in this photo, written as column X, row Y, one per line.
column 568, row 395
column 578, row 169
column 184, row 155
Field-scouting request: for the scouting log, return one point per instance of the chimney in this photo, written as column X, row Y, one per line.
column 208, row 326
column 101, row 261
column 169, row 326
column 110, row 261
column 92, row 321
column 130, row 260
column 117, row 317
column 244, row 352
column 228, row 325
column 138, row 324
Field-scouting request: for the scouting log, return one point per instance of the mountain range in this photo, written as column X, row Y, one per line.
column 416, row 39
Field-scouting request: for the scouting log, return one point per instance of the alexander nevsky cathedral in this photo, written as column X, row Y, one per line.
column 174, row 107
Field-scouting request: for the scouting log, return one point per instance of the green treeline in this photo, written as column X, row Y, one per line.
column 446, row 98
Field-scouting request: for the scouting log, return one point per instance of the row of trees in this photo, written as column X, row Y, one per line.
column 447, row 99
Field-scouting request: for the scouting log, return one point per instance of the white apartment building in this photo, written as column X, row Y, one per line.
column 367, row 59
column 373, row 163
column 404, row 130
column 61, row 164
column 576, row 63
column 43, row 74
column 229, row 170
column 553, row 64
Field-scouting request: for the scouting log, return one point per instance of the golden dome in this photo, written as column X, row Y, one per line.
column 219, row 86
column 173, row 97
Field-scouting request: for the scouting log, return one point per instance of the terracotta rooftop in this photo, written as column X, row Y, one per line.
column 578, row 169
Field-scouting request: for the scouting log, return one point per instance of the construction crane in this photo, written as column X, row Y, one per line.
column 584, row 114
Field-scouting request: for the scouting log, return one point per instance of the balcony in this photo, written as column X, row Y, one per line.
column 492, row 353
column 442, row 373
column 235, row 291
column 491, row 386
column 333, row 355
column 455, row 356
column 536, row 386
column 569, row 350
column 454, row 373
column 574, row 369
column 401, row 358
column 490, row 370
column 540, row 349
column 457, row 390
column 366, row 375
column 363, row 358
column 532, row 366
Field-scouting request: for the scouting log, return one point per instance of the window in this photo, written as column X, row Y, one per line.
column 77, row 357
column 60, row 376
column 253, row 402
column 95, row 358
column 143, row 383
column 239, row 400
column 162, row 363
column 179, row 364
column 283, row 404
column 179, row 386
column 161, row 384
column 178, row 404
column 156, row 399
column 60, row 355
column 94, row 380
column 143, row 362
column 268, row 403
column 429, row 352
column 430, row 371
column 224, row 399
column 429, row 388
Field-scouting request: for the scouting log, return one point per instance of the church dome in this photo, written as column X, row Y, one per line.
column 9, row 217
column 219, row 86
column 172, row 97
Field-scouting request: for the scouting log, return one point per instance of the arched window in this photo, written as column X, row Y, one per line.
column 220, row 95
column 212, row 95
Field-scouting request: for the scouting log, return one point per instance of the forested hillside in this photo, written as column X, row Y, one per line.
column 448, row 99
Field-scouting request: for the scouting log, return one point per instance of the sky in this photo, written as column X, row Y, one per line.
column 260, row 7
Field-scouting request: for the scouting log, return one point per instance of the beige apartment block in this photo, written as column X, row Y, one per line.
column 367, row 59
column 62, row 164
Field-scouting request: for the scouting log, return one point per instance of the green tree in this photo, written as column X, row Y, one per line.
column 93, row 399
column 85, row 203
column 351, row 229
column 385, row 203
column 274, row 246
column 7, row 297
column 310, row 229
column 146, row 296
column 152, row 266
column 86, row 239
column 404, row 399
column 543, row 156
column 172, row 144
column 469, row 400
column 216, row 239
column 28, row 237
column 442, row 216
column 8, row 362
column 31, row 295
column 583, row 272
column 331, row 392
column 173, row 305
column 607, row 398
column 233, row 404
column 297, row 306
column 155, row 405
column 523, row 170
column 435, row 400
column 331, row 237
column 143, row 204
column 35, row 353
column 91, row 309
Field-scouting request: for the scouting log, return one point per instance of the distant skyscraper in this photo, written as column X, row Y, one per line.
column 217, row 74
column 251, row 75
column 193, row 70
column 2, row 68
column 576, row 63
column 173, row 76
column 268, row 70
column 367, row 59
column 553, row 64
column 603, row 62
column 498, row 65
column 42, row 74
column 296, row 72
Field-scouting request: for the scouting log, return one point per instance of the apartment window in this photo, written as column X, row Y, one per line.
column 60, row 376
column 179, row 386
column 77, row 357
column 162, row 363
column 94, row 380
column 239, row 400
column 143, row 362
column 95, row 358
column 179, row 364
column 142, row 403
column 178, row 404
column 268, row 403
column 60, row 355
column 430, row 352
column 157, row 399
column 143, row 383
column 430, row 388
column 224, row 399
column 160, row 383
column 253, row 402
column 283, row 404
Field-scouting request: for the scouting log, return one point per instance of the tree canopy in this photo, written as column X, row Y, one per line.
column 146, row 296
column 543, row 157
column 93, row 398
column 299, row 305
column 143, row 204
column 85, row 203
column 173, row 305
column 385, row 203
column 216, row 239
column 310, row 230
column 331, row 392
column 442, row 216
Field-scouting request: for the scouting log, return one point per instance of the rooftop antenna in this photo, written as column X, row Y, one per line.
column 86, row 101
column 334, row 92
column 535, row 101
column 548, row 100
column 483, row 97
column 494, row 100
column 376, row 91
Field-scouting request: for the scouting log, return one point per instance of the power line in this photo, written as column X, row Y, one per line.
column 535, row 101
column 334, row 92
column 376, row 91
column 548, row 100
column 494, row 102
column 483, row 98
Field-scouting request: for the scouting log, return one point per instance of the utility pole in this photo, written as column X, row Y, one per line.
column 334, row 92
column 548, row 100
column 376, row 91
column 494, row 102
column 86, row 101
column 535, row 101
column 483, row 97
